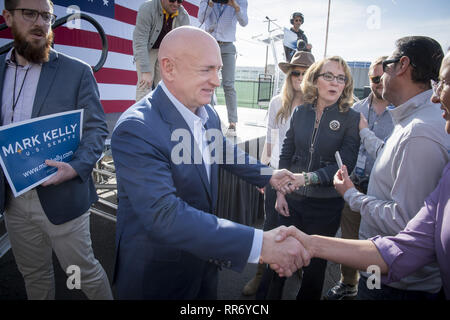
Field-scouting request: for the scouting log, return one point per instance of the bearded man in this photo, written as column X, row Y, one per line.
column 35, row 81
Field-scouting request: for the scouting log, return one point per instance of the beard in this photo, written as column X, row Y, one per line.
column 32, row 51
column 378, row 93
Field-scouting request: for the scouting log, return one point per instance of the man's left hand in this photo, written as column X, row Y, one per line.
column 342, row 181
column 65, row 172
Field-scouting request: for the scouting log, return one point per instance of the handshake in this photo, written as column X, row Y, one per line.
column 281, row 249
column 286, row 249
column 286, row 182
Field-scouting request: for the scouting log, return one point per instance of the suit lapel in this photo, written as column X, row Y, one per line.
column 214, row 174
column 2, row 80
column 46, row 79
column 170, row 114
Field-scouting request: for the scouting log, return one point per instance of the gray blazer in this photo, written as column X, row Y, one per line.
column 67, row 84
column 149, row 23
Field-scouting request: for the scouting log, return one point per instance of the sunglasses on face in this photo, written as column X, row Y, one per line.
column 179, row 1
column 376, row 79
column 385, row 63
column 297, row 73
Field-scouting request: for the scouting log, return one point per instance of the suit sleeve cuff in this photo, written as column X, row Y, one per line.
column 255, row 252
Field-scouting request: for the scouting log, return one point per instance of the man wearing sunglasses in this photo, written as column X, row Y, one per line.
column 408, row 165
column 154, row 20
column 374, row 109
column 35, row 81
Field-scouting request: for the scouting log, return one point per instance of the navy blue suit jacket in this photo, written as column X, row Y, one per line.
column 66, row 84
column 166, row 236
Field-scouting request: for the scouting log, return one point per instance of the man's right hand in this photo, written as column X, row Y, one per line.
column 146, row 80
column 307, row 252
column 288, row 254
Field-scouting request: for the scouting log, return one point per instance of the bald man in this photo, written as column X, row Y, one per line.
column 167, row 150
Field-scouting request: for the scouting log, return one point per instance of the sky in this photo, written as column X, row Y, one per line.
column 359, row 30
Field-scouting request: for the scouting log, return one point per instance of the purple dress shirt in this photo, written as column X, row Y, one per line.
column 425, row 239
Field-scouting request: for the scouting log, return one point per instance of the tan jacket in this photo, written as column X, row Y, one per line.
column 148, row 26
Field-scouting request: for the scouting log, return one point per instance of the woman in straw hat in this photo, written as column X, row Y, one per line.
column 279, row 113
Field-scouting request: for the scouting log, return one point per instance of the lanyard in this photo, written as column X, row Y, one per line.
column 368, row 114
column 15, row 101
column 221, row 8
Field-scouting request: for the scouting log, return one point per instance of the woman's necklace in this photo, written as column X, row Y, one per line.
column 318, row 116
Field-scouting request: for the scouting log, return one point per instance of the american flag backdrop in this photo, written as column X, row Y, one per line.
column 117, row 79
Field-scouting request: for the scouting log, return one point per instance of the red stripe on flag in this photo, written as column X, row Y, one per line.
column 125, row 14
column 113, row 106
column 192, row 9
column 84, row 39
column 91, row 39
column 116, row 76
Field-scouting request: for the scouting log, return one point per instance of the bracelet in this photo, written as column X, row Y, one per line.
column 305, row 176
column 314, row 178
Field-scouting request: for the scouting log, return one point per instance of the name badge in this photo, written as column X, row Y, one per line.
column 360, row 165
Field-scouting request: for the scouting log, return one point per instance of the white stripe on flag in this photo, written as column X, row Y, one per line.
column 116, row 91
column 91, row 56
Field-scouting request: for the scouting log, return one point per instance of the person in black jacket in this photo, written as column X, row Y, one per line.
column 323, row 125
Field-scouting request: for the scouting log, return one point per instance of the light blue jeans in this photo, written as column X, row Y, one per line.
column 228, row 52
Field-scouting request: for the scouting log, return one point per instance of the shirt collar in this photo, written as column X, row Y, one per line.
column 10, row 60
column 369, row 100
column 411, row 106
column 188, row 116
column 166, row 14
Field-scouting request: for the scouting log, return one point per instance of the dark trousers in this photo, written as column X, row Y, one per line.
column 390, row 293
column 312, row 216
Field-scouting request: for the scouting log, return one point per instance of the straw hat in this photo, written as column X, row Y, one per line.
column 300, row 59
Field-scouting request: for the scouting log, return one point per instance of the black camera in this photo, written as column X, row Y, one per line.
column 220, row 1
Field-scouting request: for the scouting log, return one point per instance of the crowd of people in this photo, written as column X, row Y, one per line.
column 390, row 196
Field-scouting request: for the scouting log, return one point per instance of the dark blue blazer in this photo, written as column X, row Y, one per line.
column 67, row 84
column 166, row 237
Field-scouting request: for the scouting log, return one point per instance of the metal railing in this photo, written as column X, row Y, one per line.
column 63, row 21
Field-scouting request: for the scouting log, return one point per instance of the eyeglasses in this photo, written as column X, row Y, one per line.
column 328, row 76
column 32, row 15
column 376, row 79
column 296, row 73
column 437, row 86
column 179, row 1
column 386, row 62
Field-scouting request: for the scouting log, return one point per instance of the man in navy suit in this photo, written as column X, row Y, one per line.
column 36, row 81
column 167, row 150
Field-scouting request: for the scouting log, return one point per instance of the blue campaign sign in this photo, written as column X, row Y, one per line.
column 24, row 147
column 100, row 7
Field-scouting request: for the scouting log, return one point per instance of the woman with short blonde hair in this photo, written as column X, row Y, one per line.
column 310, row 90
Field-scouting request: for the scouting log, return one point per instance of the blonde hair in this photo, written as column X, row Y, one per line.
column 309, row 89
column 376, row 62
column 287, row 95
